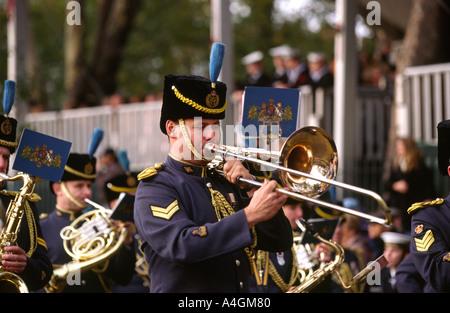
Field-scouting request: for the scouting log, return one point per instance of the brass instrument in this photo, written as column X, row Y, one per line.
column 313, row 279
column 312, row 274
column 307, row 259
column 11, row 282
column 307, row 164
column 358, row 279
column 141, row 266
column 91, row 239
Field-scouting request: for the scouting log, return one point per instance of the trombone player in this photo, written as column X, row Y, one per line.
column 30, row 262
column 199, row 228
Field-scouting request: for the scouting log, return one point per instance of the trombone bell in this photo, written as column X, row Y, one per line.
column 308, row 150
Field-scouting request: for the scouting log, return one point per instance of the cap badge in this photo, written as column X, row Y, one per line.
column 88, row 168
column 6, row 127
column 212, row 99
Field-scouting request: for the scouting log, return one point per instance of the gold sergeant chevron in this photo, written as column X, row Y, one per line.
column 165, row 213
column 426, row 241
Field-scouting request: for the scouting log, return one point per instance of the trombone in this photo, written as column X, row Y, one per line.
column 308, row 167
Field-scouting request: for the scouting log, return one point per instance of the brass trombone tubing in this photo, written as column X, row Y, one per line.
column 212, row 148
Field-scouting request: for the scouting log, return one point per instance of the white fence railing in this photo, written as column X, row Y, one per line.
column 422, row 95
column 130, row 127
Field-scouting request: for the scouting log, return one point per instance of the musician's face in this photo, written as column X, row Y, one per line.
column 4, row 159
column 394, row 255
column 293, row 212
column 199, row 131
column 77, row 190
column 203, row 131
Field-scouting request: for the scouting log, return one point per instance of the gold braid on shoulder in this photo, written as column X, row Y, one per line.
column 420, row 205
column 149, row 172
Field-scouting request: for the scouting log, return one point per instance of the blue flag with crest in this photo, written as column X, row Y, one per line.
column 41, row 155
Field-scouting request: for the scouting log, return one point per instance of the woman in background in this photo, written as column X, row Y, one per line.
column 409, row 181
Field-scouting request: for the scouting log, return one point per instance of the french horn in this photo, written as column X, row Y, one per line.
column 91, row 240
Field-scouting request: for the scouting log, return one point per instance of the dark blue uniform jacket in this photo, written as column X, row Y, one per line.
column 186, row 247
column 430, row 247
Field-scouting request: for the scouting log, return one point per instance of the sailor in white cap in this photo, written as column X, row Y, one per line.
column 396, row 248
column 297, row 71
column 278, row 55
column 320, row 73
column 255, row 70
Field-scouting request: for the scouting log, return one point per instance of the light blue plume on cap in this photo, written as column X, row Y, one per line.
column 123, row 160
column 215, row 61
column 96, row 138
column 9, row 95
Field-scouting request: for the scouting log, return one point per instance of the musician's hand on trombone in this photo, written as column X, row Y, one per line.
column 265, row 203
column 233, row 169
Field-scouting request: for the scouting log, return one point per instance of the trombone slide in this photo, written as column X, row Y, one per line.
column 213, row 149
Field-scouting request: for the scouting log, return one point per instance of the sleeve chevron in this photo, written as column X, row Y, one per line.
column 424, row 244
column 165, row 213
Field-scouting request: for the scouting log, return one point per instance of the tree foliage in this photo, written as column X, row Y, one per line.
column 164, row 37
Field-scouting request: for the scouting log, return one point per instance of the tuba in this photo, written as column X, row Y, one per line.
column 91, row 240
column 11, row 282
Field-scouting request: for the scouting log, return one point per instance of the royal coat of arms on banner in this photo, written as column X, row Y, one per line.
column 267, row 106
